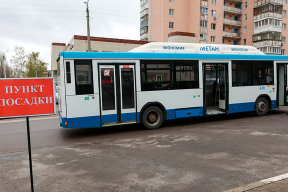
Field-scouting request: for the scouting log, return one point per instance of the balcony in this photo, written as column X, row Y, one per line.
column 232, row 22
column 233, row 10
column 269, row 36
column 264, row 2
column 144, row 6
column 271, row 50
column 144, row 36
column 268, row 15
column 232, row 35
column 266, row 28
column 204, row 17
column 269, row 43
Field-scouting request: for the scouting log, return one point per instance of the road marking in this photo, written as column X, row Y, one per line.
column 274, row 179
column 36, row 119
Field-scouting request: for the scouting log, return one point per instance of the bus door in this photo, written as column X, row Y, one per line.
column 282, row 89
column 223, row 86
column 216, row 88
column 117, row 94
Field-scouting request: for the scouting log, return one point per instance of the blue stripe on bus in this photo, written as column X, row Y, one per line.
column 94, row 121
column 128, row 117
column 241, row 107
column 172, row 114
column 81, row 122
column 194, row 112
column 274, row 105
column 109, row 118
column 127, row 55
column 245, row 107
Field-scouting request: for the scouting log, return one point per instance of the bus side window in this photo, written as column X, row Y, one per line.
column 68, row 72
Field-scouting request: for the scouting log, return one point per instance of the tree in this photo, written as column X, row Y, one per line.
column 8, row 68
column 34, row 65
column 18, row 62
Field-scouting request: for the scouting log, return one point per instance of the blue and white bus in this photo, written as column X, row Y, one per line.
column 164, row 81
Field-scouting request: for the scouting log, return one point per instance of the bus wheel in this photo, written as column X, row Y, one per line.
column 262, row 106
column 152, row 117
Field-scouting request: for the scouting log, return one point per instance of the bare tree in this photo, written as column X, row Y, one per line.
column 8, row 68
column 18, row 62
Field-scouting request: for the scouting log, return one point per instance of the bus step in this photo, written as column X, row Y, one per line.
column 113, row 124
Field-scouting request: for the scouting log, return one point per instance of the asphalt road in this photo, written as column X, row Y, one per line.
column 200, row 154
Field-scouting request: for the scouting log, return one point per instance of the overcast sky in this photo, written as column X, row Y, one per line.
column 35, row 24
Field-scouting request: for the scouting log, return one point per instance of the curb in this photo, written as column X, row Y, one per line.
column 259, row 183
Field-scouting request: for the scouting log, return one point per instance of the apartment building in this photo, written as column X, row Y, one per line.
column 261, row 23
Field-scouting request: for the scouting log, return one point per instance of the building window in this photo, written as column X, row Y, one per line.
column 203, row 23
column 282, row 52
column 235, row 42
column 245, row 29
column 169, row 75
column 283, row 26
column 283, row 40
column 213, row 39
column 223, row 28
column 236, row 18
column 83, row 77
column 284, row 13
column 285, row 1
column 171, row 12
column 214, row 1
column 203, row 36
column 171, row 1
column 213, row 13
column 245, row 17
column 171, row 25
column 244, row 42
column 213, row 25
column 204, row 10
column 245, row 4
column 223, row 41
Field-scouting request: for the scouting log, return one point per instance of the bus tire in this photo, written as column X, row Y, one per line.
column 262, row 106
column 152, row 117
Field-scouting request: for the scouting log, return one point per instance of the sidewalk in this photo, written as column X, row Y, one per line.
column 279, row 186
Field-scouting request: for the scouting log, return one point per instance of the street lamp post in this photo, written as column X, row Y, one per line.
column 88, row 27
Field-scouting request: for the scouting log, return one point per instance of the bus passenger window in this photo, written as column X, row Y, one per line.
column 247, row 73
column 68, row 72
column 169, row 75
column 83, row 77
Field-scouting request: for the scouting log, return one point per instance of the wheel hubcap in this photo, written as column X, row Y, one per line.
column 153, row 117
column 262, row 106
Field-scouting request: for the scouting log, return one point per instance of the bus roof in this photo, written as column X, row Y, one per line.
column 166, row 56
column 166, row 47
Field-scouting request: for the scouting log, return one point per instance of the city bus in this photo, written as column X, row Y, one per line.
column 157, row 82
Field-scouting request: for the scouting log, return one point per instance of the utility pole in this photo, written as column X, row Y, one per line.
column 88, row 27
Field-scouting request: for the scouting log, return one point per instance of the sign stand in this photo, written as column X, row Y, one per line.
column 24, row 97
column 30, row 156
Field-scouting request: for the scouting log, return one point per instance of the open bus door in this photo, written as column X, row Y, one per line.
column 282, row 89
